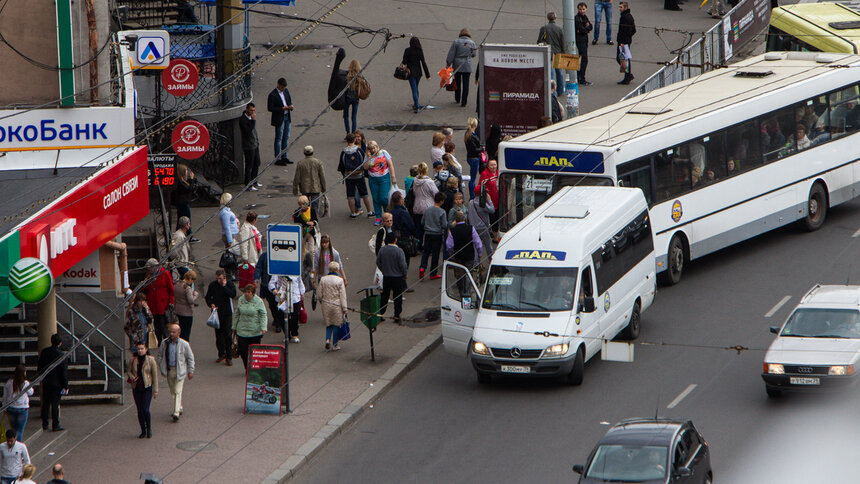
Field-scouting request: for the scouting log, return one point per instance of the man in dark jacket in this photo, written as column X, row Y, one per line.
column 391, row 261
column 337, row 83
column 552, row 35
column 626, row 29
column 280, row 104
column 583, row 27
column 250, row 145
column 219, row 296
column 54, row 383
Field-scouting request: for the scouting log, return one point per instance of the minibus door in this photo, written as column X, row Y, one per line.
column 587, row 315
column 460, row 302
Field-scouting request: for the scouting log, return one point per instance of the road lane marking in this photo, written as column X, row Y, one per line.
column 774, row 309
column 856, row 234
column 682, row 395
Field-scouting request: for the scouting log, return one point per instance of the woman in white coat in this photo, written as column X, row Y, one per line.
column 331, row 293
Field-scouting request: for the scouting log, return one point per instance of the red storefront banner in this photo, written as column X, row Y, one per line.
column 514, row 87
column 68, row 230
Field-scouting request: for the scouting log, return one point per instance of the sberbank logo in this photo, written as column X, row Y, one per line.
column 30, row 280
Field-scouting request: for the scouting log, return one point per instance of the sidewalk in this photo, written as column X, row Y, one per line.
column 214, row 442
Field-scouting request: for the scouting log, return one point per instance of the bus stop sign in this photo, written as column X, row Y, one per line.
column 285, row 249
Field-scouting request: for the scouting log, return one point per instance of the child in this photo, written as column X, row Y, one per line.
column 441, row 176
column 407, row 182
column 451, row 188
column 435, row 221
column 459, row 206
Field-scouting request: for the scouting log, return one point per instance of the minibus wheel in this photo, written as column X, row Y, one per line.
column 816, row 208
column 631, row 331
column 576, row 373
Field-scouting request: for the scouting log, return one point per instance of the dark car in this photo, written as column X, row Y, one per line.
column 649, row 451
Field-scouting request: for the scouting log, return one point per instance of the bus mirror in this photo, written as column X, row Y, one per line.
column 588, row 304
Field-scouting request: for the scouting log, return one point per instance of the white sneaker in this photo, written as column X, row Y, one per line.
column 295, row 339
column 253, row 188
column 259, row 185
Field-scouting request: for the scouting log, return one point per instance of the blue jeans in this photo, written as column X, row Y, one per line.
column 354, row 105
column 379, row 186
column 282, row 139
column 413, row 84
column 8, row 480
column 18, row 420
column 601, row 8
column 558, row 77
column 331, row 334
column 474, row 166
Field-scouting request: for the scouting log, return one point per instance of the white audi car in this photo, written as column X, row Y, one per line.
column 818, row 345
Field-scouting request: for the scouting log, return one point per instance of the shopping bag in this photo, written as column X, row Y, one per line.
column 303, row 313
column 213, row 321
column 377, row 279
column 445, row 75
column 344, row 334
column 394, row 188
column 451, row 86
column 246, row 275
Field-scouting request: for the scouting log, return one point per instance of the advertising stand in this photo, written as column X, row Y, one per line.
column 265, row 379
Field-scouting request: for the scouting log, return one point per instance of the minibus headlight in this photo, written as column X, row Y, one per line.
column 480, row 348
column 555, row 350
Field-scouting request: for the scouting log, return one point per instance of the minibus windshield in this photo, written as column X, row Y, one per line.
column 532, row 289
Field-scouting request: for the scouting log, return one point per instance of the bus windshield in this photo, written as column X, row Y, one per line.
column 521, row 193
column 530, row 288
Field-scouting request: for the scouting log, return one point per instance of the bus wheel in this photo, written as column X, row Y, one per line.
column 675, row 258
column 576, row 373
column 816, row 208
column 631, row 332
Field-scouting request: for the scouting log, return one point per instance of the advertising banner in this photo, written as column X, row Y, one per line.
column 264, row 380
column 63, row 129
column 744, row 23
column 515, row 90
column 76, row 225
column 181, row 78
column 85, row 276
column 10, row 253
column 190, row 139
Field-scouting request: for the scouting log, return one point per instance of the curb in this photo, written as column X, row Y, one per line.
column 355, row 408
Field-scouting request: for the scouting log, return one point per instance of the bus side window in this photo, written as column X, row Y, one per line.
column 819, row 130
column 775, row 143
column 844, row 114
column 743, row 148
column 672, row 175
column 637, row 174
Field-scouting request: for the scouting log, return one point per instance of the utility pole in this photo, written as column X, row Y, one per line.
column 229, row 42
column 571, row 87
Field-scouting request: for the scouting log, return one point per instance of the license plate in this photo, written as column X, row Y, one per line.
column 515, row 369
column 800, row 380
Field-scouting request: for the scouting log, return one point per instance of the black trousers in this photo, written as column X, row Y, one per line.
column 244, row 346
column 185, row 327
column 294, row 318
column 160, row 323
column 277, row 314
column 51, row 402
column 142, row 400
column 461, row 94
column 224, row 335
column 582, row 48
column 395, row 285
column 252, row 164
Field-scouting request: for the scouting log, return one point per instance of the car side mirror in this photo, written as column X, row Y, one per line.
column 578, row 468
column 684, row 472
column 774, row 329
column 588, row 304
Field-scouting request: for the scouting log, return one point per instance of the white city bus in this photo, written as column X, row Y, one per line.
column 721, row 157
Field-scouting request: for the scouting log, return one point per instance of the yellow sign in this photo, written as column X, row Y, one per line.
column 568, row 62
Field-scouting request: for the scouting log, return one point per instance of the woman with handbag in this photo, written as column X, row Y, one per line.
column 19, row 408
column 325, row 255
column 294, row 302
column 355, row 83
column 413, row 61
column 229, row 237
column 380, row 169
column 142, row 375
column 460, row 58
column 474, row 149
column 186, row 301
column 251, row 321
column 138, row 320
column 332, row 296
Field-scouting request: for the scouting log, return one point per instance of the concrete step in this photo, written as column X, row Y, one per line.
column 18, row 339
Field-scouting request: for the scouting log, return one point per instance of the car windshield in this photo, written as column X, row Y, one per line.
column 823, row 323
column 629, row 463
column 530, row 288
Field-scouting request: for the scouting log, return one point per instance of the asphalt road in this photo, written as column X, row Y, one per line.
column 439, row 425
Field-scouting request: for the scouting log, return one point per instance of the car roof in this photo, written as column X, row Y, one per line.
column 832, row 296
column 643, row 431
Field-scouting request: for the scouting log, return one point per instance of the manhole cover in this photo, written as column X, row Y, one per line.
column 196, row 446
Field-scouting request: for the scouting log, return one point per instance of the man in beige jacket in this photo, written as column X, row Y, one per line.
column 309, row 179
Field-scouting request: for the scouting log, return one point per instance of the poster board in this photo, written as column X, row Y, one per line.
column 264, row 379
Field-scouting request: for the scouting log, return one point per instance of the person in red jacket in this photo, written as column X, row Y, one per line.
column 159, row 296
column 490, row 183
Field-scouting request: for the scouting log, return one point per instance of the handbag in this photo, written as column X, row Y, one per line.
column 344, row 334
column 445, row 73
column 402, row 72
column 451, row 86
column 324, row 206
column 303, row 313
column 314, row 300
column 362, row 88
column 213, row 321
column 229, row 261
column 152, row 341
column 234, row 348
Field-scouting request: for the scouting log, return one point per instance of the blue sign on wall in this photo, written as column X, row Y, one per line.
column 554, row 160
column 285, row 249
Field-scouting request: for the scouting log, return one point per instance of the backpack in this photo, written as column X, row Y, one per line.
column 352, row 163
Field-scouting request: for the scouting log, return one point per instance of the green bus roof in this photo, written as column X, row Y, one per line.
column 827, row 26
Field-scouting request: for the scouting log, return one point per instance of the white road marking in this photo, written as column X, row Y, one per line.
column 856, row 234
column 682, row 395
column 774, row 309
